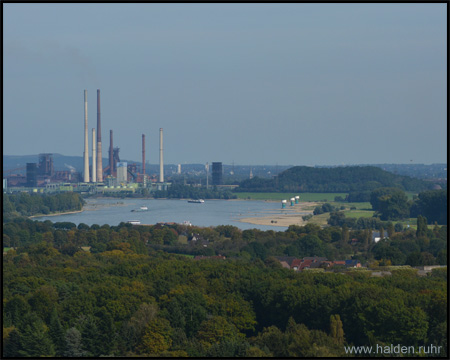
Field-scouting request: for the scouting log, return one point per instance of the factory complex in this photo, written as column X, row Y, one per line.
column 116, row 176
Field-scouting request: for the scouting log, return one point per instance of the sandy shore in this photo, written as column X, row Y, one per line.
column 291, row 215
column 56, row 214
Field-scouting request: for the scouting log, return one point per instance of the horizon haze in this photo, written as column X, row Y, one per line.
column 287, row 84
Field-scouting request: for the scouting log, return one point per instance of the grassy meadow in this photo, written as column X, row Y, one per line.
column 319, row 197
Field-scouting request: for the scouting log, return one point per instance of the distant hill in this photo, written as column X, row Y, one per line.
column 337, row 179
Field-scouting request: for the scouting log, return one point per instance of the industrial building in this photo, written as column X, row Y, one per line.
column 31, row 174
column 217, row 173
column 121, row 173
column 94, row 178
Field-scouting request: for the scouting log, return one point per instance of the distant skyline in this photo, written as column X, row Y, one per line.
column 253, row 84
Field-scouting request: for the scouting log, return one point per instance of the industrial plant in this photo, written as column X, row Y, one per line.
column 117, row 176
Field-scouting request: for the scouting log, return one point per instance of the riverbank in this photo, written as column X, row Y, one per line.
column 56, row 214
column 291, row 215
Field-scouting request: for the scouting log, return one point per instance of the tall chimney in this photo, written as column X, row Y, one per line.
column 111, row 154
column 99, row 141
column 94, row 154
column 161, row 162
column 86, row 151
column 143, row 157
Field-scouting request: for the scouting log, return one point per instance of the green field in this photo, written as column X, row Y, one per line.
column 363, row 209
column 358, row 214
column 286, row 196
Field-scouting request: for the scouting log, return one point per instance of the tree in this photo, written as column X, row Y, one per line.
column 390, row 230
column 56, row 332
column 35, row 341
column 345, row 234
column 336, row 329
column 216, row 330
column 11, row 345
column 73, row 343
column 394, row 206
column 133, row 329
column 275, row 340
column 422, row 227
column 376, row 194
column 433, row 205
column 157, row 336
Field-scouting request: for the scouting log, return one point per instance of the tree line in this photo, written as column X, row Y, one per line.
column 25, row 204
column 178, row 191
column 340, row 179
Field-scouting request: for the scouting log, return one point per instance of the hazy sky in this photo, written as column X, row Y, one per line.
column 298, row 84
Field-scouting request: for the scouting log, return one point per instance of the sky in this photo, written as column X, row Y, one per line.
column 256, row 84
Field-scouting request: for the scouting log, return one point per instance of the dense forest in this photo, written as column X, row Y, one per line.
column 130, row 300
column 77, row 290
column 338, row 179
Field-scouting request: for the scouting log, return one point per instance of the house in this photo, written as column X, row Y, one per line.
column 198, row 239
column 311, row 262
column 376, row 236
column 352, row 263
column 295, row 265
column 287, row 259
column 339, row 262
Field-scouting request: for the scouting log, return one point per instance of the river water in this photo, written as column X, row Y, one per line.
column 210, row 213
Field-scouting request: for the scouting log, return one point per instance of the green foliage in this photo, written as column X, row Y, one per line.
column 25, row 204
column 73, row 345
column 432, row 205
column 110, row 300
column 178, row 191
column 338, row 179
column 390, row 203
column 157, row 337
column 324, row 209
column 35, row 340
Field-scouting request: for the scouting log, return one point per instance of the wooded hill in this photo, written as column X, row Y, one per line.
column 339, row 179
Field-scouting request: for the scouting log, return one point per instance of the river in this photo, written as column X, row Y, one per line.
column 210, row 213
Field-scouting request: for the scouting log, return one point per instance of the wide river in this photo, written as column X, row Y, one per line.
column 210, row 213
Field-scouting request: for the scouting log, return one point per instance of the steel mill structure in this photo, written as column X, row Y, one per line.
column 94, row 178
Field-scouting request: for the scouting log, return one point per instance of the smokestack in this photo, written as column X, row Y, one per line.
column 143, row 156
column 86, row 151
column 161, row 162
column 94, row 178
column 99, row 141
column 111, row 154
